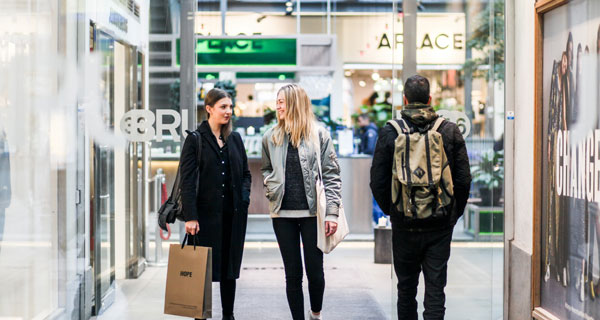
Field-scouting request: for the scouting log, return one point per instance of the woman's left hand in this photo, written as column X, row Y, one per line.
column 330, row 228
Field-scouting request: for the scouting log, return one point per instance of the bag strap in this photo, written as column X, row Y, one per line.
column 428, row 156
column 317, row 139
column 185, row 239
column 407, row 160
column 432, row 188
column 400, row 126
column 196, row 134
column 404, row 125
column 396, row 126
column 438, row 123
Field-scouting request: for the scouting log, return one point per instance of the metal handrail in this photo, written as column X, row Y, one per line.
column 158, row 180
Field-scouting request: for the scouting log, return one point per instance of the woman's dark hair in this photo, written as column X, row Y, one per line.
column 212, row 97
column 416, row 89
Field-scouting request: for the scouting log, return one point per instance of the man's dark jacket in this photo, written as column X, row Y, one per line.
column 381, row 176
column 368, row 139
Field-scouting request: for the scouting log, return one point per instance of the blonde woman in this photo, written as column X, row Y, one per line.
column 289, row 168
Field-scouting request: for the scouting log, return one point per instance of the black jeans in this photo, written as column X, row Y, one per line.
column 416, row 251
column 288, row 232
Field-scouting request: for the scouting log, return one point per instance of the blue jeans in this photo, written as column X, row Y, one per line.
column 377, row 212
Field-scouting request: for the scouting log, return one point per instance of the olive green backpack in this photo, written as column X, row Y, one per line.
column 421, row 178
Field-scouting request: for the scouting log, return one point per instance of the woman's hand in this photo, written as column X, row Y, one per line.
column 330, row 228
column 192, row 227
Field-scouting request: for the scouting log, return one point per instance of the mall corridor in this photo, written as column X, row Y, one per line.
column 356, row 288
column 430, row 133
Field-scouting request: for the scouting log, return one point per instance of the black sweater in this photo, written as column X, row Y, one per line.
column 294, row 196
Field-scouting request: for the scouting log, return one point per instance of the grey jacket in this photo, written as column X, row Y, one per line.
column 273, row 171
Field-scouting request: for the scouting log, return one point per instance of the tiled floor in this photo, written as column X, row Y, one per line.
column 354, row 283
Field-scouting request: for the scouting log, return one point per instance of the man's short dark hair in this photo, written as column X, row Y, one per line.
column 364, row 116
column 416, row 89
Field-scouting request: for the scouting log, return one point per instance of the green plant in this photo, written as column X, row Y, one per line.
column 322, row 114
column 229, row 87
column 378, row 113
column 489, row 172
column 174, row 94
column 488, row 45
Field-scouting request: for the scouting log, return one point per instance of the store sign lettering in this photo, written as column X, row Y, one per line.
column 231, row 46
column 440, row 41
column 139, row 125
column 118, row 20
column 577, row 166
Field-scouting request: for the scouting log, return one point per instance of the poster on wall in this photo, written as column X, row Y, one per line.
column 570, row 216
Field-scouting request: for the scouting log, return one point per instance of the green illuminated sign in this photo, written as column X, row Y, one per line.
column 208, row 75
column 265, row 75
column 244, row 52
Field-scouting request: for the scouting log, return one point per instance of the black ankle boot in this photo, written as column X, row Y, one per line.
column 229, row 317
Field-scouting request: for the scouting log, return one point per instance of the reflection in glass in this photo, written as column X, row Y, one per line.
column 103, row 203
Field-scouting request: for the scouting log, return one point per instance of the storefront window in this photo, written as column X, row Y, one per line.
column 38, row 121
column 353, row 65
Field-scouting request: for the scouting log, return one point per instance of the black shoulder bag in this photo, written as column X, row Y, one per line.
column 172, row 209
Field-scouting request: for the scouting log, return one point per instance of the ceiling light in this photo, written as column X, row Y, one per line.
column 362, row 83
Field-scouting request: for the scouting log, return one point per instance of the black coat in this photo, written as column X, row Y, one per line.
column 205, row 206
column 381, row 176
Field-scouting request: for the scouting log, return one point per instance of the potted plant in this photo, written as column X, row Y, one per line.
column 488, row 174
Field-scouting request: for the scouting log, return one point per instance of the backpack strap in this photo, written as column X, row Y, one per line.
column 404, row 125
column 438, row 123
column 400, row 126
column 396, row 126
column 432, row 188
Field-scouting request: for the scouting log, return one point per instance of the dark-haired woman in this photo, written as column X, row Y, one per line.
column 216, row 193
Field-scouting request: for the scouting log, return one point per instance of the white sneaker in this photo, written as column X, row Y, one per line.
column 311, row 316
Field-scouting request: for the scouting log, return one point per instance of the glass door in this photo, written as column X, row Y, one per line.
column 135, row 202
column 102, row 193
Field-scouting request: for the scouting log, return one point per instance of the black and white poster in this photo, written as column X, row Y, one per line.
column 570, row 248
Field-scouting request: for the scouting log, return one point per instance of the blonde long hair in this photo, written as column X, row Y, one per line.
column 299, row 117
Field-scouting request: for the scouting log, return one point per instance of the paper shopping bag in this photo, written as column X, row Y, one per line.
column 189, row 281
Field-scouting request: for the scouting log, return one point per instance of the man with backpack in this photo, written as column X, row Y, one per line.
column 420, row 177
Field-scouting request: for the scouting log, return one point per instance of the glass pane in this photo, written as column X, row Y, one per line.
column 460, row 50
column 570, row 222
column 37, row 128
column 103, row 170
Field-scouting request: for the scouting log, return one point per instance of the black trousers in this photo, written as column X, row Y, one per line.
column 227, row 286
column 288, row 232
column 416, row 251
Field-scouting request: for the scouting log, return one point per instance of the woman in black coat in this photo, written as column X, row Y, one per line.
column 215, row 205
